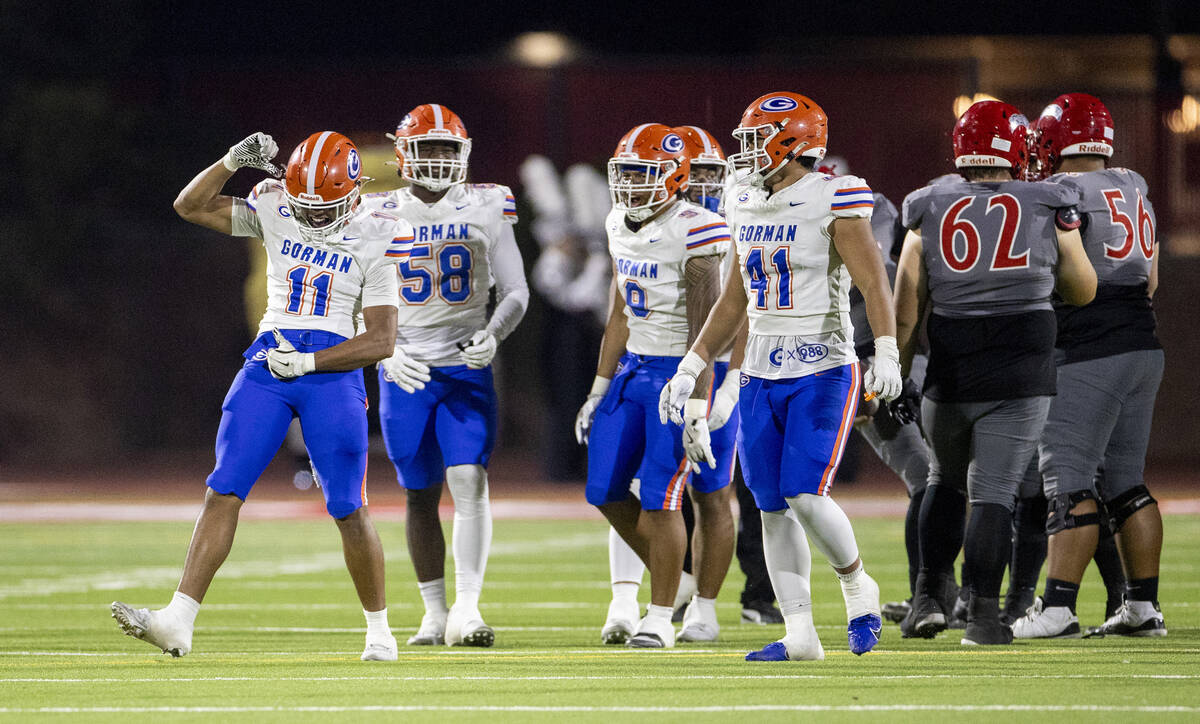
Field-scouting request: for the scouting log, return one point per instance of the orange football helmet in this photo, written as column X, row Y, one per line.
column 775, row 129
column 649, row 167
column 322, row 181
column 432, row 147
column 706, row 181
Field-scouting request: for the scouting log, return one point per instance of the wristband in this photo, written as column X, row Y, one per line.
column 691, row 364
column 599, row 386
column 695, row 407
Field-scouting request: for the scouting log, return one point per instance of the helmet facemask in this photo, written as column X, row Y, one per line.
column 320, row 221
column 639, row 186
column 434, row 161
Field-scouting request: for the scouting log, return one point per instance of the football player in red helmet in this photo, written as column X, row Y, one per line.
column 326, row 263
column 984, row 253
column 438, row 381
column 802, row 239
column 1111, row 339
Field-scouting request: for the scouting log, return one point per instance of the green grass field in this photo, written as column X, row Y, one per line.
column 279, row 637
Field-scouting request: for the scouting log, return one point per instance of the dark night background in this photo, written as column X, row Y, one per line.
column 123, row 325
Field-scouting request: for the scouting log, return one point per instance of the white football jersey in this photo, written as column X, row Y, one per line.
column 444, row 283
column 796, row 284
column 650, row 264
column 318, row 286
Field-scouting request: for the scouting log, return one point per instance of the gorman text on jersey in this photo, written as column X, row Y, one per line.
column 767, row 232
column 316, row 257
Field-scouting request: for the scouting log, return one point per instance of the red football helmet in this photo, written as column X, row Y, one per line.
column 322, row 180
column 706, row 182
column 432, row 147
column 1074, row 124
column 992, row 134
column 775, row 129
column 648, row 168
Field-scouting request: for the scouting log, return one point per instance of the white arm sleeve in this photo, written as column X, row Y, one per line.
column 512, row 293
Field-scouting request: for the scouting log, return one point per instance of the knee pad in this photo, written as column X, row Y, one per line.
column 1122, row 507
column 1061, row 518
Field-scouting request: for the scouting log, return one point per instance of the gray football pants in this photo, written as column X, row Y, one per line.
column 1100, row 420
column 900, row 447
column 983, row 448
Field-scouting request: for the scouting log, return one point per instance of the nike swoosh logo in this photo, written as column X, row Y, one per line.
column 653, row 240
column 460, row 208
column 350, row 238
column 795, row 203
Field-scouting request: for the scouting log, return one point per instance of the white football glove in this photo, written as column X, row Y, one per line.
column 479, row 351
column 679, row 388
column 883, row 379
column 583, row 420
column 725, row 399
column 285, row 362
column 405, row 371
column 254, row 151
column 697, row 444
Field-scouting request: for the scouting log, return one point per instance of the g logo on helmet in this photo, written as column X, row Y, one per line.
column 353, row 164
column 672, row 143
column 778, row 103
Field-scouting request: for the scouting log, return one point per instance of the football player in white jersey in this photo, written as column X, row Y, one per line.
column 437, row 399
column 328, row 259
column 666, row 255
column 802, row 238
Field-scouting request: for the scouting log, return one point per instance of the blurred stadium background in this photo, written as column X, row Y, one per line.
column 123, row 325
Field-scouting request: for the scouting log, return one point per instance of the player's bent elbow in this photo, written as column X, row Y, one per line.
column 380, row 344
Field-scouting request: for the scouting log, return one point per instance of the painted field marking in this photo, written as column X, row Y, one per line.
column 1099, row 708
column 568, row 678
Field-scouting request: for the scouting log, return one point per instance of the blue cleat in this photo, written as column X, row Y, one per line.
column 774, row 651
column 863, row 633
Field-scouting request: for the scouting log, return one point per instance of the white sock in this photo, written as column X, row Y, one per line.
column 851, row 579
column 472, row 537
column 663, row 612
column 624, row 566
column 706, row 607
column 789, row 561
column 433, row 593
column 829, row 527
column 184, row 608
column 687, row 589
column 799, row 625
column 377, row 624
column 625, row 592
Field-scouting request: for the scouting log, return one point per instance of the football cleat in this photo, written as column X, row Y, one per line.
column 696, row 627
column 1040, row 622
column 653, row 633
column 1135, row 618
column 621, row 622
column 791, row 648
column 154, row 627
column 926, row 619
column 466, row 628
column 432, row 631
column 863, row 633
column 761, row 612
column 774, row 651
column 895, row 611
column 983, row 624
column 380, row 649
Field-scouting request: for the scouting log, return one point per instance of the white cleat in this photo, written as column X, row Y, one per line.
column 1040, row 622
column 432, row 631
column 465, row 627
column 621, row 622
column 154, row 627
column 696, row 626
column 653, row 633
column 380, row 649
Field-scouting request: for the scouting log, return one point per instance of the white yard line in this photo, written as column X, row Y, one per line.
column 1096, row 708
